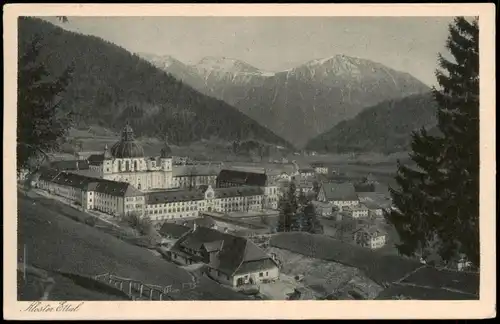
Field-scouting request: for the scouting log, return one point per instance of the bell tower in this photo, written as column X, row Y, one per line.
column 107, row 163
column 166, row 156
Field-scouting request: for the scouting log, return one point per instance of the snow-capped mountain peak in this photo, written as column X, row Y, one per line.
column 161, row 61
column 226, row 65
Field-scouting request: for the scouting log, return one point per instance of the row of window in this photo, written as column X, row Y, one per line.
column 172, row 210
column 177, row 204
column 138, row 198
column 163, row 217
column 132, row 206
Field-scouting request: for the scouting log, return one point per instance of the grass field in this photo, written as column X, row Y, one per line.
column 323, row 277
column 381, row 268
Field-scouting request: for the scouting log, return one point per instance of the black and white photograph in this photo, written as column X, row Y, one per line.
column 247, row 158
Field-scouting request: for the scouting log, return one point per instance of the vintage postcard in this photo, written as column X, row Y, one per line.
column 249, row 161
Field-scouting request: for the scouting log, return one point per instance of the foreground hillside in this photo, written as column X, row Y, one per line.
column 54, row 242
column 111, row 85
column 385, row 128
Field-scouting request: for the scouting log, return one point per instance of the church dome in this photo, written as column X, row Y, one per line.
column 127, row 147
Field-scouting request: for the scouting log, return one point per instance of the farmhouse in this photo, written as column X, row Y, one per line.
column 172, row 230
column 323, row 209
column 372, row 237
column 339, row 194
column 231, row 260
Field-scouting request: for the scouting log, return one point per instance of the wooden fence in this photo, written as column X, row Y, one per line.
column 137, row 290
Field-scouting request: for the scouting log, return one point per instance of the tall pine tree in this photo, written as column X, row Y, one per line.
column 40, row 123
column 288, row 208
column 437, row 203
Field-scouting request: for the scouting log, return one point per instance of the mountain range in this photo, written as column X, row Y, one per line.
column 111, row 86
column 385, row 127
column 300, row 103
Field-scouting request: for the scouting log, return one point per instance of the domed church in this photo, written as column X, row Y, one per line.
column 125, row 161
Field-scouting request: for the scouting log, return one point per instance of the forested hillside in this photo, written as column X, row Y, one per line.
column 110, row 86
column 386, row 127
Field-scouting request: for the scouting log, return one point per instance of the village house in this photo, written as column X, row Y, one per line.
column 172, row 230
column 374, row 209
column 358, row 211
column 231, row 260
column 376, row 202
column 304, row 185
column 370, row 237
column 274, row 175
column 320, row 168
column 323, row 209
column 339, row 194
column 306, row 172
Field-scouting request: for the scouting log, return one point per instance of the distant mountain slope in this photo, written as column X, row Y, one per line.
column 305, row 101
column 302, row 102
column 385, row 127
column 111, row 85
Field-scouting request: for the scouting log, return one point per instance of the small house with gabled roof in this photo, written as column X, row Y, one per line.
column 339, row 194
column 230, row 259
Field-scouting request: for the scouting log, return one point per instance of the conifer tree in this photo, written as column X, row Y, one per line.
column 288, row 207
column 311, row 222
column 40, row 122
column 437, row 203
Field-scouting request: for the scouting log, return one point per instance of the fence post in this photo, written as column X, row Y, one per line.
column 130, row 288
column 151, row 294
column 161, row 296
column 140, row 292
column 121, row 286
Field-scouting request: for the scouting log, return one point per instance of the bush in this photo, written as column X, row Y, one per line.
column 91, row 221
column 144, row 226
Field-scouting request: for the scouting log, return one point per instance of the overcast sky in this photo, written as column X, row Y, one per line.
column 409, row 44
